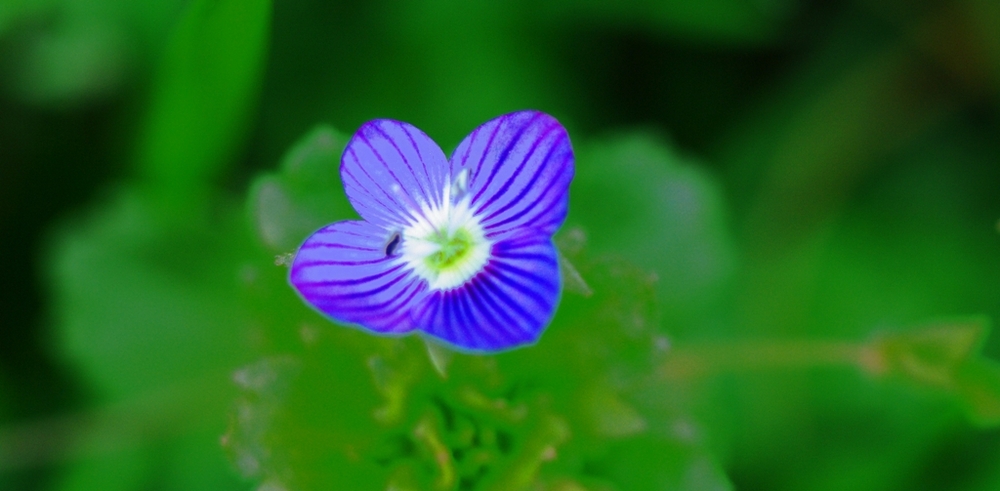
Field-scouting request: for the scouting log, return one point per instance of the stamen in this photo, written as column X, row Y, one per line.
column 446, row 246
column 393, row 244
column 460, row 185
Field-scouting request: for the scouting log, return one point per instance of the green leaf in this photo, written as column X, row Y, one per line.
column 977, row 384
column 149, row 312
column 646, row 463
column 72, row 54
column 189, row 462
column 310, row 420
column 141, row 303
column 616, row 328
column 194, row 462
column 594, row 362
column 12, row 11
column 306, row 195
column 121, row 471
column 635, row 199
column 85, row 60
column 203, row 92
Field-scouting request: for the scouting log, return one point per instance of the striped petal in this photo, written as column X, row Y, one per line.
column 520, row 166
column 508, row 304
column 392, row 171
column 344, row 271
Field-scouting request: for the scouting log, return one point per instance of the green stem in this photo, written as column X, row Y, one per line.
column 428, row 435
column 706, row 359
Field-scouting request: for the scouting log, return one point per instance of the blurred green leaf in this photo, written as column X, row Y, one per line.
column 977, row 383
column 597, row 360
column 634, row 198
column 306, row 195
column 194, row 462
column 609, row 415
column 264, row 385
column 650, row 464
column 203, row 92
column 70, row 53
column 81, row 61
column 308, row 421
column 147, row 293
column 141, row 303
column 12, row 11
column 615, row 330
column 120, row 471
column 148, row 310
column 190, row 462
column 858, row 206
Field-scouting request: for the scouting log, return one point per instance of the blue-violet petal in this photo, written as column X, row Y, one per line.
column 343, row 271
column 392, row 171
column 520, row 166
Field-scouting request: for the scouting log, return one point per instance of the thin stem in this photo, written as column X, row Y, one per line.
column 428, row 435
column 706, row 359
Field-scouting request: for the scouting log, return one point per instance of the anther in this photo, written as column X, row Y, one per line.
column 460, row 185
column 393, row 244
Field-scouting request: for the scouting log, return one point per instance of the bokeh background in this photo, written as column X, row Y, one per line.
column 785, row 216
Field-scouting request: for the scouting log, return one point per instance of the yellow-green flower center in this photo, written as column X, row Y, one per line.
column 454, row 249
column 445, row 245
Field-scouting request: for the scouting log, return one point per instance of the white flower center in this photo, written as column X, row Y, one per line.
column 445, row 245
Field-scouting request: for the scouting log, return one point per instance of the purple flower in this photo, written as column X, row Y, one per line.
column 458, row 248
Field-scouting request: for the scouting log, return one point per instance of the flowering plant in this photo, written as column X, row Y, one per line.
column 460, row 249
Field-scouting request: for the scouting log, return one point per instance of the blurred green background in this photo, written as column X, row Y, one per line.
column 784, row 218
